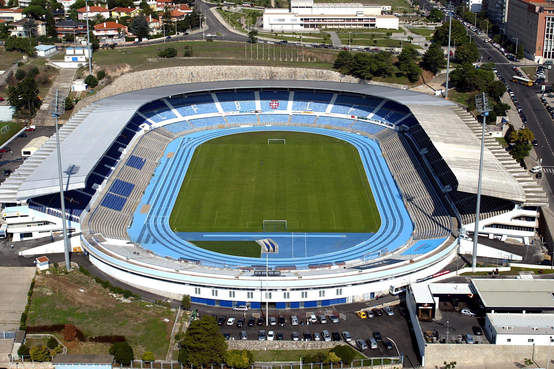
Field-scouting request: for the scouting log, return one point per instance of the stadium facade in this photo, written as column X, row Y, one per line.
column 419, row 152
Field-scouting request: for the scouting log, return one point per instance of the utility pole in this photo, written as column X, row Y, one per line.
column 88, row 40
column 517, row 44
column 266, row 290
column 482, row 106
column 56, row 113
column 449, row 10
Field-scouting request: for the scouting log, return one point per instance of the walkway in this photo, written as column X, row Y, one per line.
column 63, row 84
column 335, row 39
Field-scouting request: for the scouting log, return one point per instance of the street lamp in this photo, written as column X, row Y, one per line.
column 482, row 106
column 87, row 12
column 449, row 12
column 517, row 44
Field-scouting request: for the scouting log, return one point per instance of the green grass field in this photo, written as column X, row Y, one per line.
column 316, row 183
column 237, row 248
column 7, row 133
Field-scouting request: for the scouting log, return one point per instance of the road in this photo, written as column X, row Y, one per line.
column 538, row 119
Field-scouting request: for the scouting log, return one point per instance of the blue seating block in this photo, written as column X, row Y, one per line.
column 311, row 101
column 193, row 104
column 136, row 162
column 207, row 122
column 178, row 127
column 121, row 187
column 157, row 111
column 274, row 100
column 334, row 122
column 242, row 119
column 274, row 118
column 355, row 105
column 367, row 127
column 242, row 101
column 306, row 119
column 114, row 202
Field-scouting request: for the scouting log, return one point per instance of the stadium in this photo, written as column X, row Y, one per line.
column 298, row 193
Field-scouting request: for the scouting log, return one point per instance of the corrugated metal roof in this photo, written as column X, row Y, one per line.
column 515, row 293
column 522, row 323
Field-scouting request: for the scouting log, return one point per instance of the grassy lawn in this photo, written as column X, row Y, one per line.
column 460, row 97
column 317, row 183
column 239, row 19
column 309, row 38
column 530, row 71
column 210, row 53
column 291, row 355
column 7, row 133
column 7, row 58
column 237, row 248
column 425, row 32
column 77, row 299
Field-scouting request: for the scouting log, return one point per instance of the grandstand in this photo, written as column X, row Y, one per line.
column 125, row 186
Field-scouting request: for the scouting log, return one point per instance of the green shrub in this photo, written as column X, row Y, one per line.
column 91, row 81
column 100, row 75
column 122, row 352
column 23, row 350
column 52, row 343
column 169, row 52
column 345, row 353
column 40, row 353
column 20, row 74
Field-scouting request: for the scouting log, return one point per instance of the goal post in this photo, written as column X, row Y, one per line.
column 276, row 141
column 275, row 225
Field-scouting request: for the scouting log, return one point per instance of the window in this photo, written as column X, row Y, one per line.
column 508, row 340
column 321, row 293
column 339, row 291
column 214, row 293
column 304, row 294
column 250, row 295
column 197, row 290
column 232, row 294
column 268, row 295
column 286, row 295
column 530, row 340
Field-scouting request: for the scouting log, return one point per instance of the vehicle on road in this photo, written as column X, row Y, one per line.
column 346, row 335
column 31, row 128
column 240, row 308
column 231, row 321
column 522, row 81
column 361, row 314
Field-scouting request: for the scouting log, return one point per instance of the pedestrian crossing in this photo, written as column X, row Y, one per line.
column 548, row 170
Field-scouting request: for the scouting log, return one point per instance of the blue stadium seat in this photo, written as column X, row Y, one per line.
column 356, row 105
column 178, row 127
column 114, row 202
column 157, row 111
column 311, row 101
column 207, row 122
column 241, row 101
column 193, row 104
column 303, row 119
column 122, row 188
column 334, row 122
column 367, row 127
column 274, row 118
column 272, row 100
column 242, row 119
column 136, row 162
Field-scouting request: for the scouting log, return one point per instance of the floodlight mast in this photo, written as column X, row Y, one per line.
column 449, row 12
column 482, row 106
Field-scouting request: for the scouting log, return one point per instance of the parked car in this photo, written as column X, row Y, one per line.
column 326, row 336
column 261, row 335
column 346, row 335
column 477, row 331
column 389, row 311
column 334, row 319
column 231, row 321
column 270, row 335
column 372, row 343
column 240, row 308
column 260, row 322
column 281, row 321
column 361, row 344
column 466, row 311
column 361, row 314
column 295, row 336
column 243, row 335
column 5, row 149
column 221, row 320
column 322, row 319
column 335, row 336
column 251, row 322
column 272, row 320
column 294, row 320
column 307, row 336
column 469, row 339
column 279, row 336
column 240, row 323
column 370, row 314
column 316, row 336
column 227, row 336
column 377, row 336
column 387, row 344
column 312, row 319
column 378, row 312
column 30, row 128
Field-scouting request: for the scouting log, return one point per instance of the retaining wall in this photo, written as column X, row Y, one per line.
column 484, row 356
column 177, row 75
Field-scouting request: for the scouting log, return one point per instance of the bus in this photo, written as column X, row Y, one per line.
column 522, row 81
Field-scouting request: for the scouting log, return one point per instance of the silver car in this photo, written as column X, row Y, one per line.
column 326, row 335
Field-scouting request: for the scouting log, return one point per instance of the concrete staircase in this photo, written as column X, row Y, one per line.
column 63, row 84
column 534, row 194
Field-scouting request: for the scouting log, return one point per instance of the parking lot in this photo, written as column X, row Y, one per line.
column 391, row 328
column 452, row 327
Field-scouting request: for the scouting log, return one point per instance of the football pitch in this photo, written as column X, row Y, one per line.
column 316, row 183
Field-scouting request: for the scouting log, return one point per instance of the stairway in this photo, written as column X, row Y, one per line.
column 63, row 84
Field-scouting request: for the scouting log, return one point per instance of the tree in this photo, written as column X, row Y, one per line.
column 20, row 74
column 100, row 75
column 168, row 52
column 252, row 36
column 467, row 53
column 24, row 96
column 435, row 15
column 239, row 359
column 433, row 59
column 68, row 103
column 203, row 343
column 407, row 63
column 496, row 89
column 34, row 11
column 40, row 353
column 52, row 343
column 500, row 109
column 520, row 52
column 91, row 81
column 343, row 62
column 524, row 135
column 458, row 35
column 345, row 353
column 139, row 27
column 148, row 356
column 185, row 302
column 23, row 350
column 122, row 352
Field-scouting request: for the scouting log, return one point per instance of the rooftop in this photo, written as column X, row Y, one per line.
column 108, row 25
column 522, row 323
column 11, row 10
column 45, row 47
column 92, row 9
column 515, row 293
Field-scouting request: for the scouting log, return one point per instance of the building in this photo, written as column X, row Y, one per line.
column 109, row 31
column 162, row 4
column 304, row 15
column 515, row 295
column 42, row 263
column 93, row 11
column 154, row 24
column 45, row 50
column 177, row 15
column 28, row 27
column 66, row 5
column 69, row 27
column 520, row 329
column 83, row 361
column 497, row 10
column 33, row 145
column 11, row 15
column 530, row 24
column 76, row 54
column 474, row 6
column 119, row 12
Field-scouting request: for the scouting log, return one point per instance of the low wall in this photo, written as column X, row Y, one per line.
column 177, row 75
column 484, row 356
column 30, row 365
column 280, row 345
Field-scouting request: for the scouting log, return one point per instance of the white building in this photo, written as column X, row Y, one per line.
column 304, row 15
column 520, row 329
column 45, row 50
column 474, row 6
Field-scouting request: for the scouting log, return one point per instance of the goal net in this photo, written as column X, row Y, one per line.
column 274, row 225
column 276, row 140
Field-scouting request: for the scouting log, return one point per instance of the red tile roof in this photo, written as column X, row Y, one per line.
column 108, row 25
column 123, row 10
column 42, row 259
column 93, row 9
column 8, row 10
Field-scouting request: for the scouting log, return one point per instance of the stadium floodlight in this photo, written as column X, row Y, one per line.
column 482, row 106
column 449, row 11
column 276, row 140
column 57, row 110
column 274, row 225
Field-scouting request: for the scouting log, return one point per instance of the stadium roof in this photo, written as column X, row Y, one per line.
column 90, row 132
column 515, row 293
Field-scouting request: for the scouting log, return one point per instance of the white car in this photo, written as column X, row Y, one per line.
column 270, row 335
column 466, row 311
column 312, row 319
column 536, row 169
column 240, row 308
column 231, row 321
